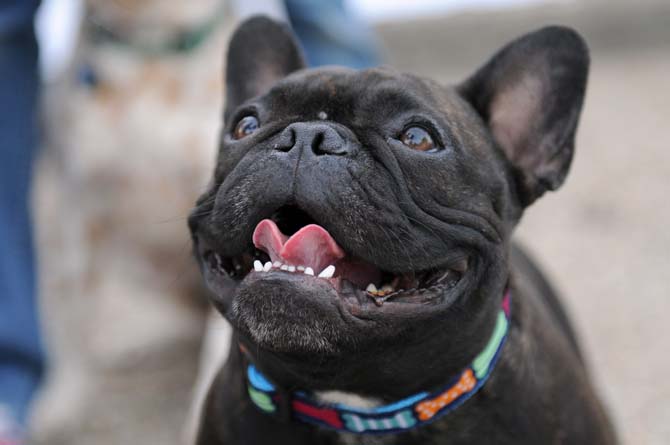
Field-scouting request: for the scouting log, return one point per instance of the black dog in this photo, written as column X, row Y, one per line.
column 357, row 236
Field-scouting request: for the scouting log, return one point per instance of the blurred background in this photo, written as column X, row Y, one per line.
column 130, row 110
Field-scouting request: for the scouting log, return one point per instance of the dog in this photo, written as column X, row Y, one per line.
column 357, row 236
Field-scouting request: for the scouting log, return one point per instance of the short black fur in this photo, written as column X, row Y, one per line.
column 328, row 145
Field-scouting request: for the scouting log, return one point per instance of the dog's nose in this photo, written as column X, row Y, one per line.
column 320, row 138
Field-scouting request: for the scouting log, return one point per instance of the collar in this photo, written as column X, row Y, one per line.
column 408, row 413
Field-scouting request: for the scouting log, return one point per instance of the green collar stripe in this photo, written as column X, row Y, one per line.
column 483, row 360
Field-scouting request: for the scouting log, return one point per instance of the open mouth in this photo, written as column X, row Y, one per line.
column 291, row 242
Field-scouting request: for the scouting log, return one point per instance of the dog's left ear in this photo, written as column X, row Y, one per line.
column 261, row 51
column 530, row 94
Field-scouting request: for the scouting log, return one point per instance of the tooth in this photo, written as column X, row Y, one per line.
column 276, row 264
column 301, row 268
column 327, row 272
column 258, row 266
column 387, row 288
column 309, row 271
column 267, row 266
column 371, row 288
column 283, row 267
column 461, row 266
column 291, row 268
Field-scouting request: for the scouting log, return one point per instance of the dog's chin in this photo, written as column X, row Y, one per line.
column 290, row 314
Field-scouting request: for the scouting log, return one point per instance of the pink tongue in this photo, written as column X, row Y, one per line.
column 312, row 246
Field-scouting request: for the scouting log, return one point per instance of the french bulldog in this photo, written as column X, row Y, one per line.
column 357, row 236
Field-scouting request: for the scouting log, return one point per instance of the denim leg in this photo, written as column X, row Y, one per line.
column 331, row 35
column 21, row 354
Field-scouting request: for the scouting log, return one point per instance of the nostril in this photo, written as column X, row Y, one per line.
column 286, row 140
column 317, row 142
column 327, row 141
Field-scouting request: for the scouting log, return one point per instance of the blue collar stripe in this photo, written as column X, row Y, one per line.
column 258, row 380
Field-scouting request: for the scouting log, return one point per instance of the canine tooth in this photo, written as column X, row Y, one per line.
column 258, row 266
column 301, row 268
column 283, row 267
column 267, row 266
column 309, row 271
column 461, row 266
column 328, row 272
column 371, row 288
column 291, row 268
column 218, row 261
column 276, row 264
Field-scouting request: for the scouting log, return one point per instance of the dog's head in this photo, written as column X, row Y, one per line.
column 410, row 189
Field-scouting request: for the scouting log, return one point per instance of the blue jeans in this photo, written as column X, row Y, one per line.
column 331, row 35
column 21, row 353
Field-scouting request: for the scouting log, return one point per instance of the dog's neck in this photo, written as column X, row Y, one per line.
column 346, row 412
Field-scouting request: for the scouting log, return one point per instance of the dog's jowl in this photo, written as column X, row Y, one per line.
column 356, row 235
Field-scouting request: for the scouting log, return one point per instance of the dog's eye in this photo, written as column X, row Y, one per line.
column 245, row 127
column 417, row 138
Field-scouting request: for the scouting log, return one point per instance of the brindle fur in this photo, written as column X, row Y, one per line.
column 509, row 137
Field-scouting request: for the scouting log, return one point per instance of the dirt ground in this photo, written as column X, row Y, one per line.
column 603, row 238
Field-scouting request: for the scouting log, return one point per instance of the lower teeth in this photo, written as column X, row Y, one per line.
column 395, row 288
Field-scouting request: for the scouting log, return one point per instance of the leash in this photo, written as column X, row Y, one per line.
column 403, row 415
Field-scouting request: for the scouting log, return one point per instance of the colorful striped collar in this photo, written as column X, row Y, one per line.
column 411, row 412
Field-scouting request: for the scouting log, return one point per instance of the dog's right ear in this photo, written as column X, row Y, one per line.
column 261, row 52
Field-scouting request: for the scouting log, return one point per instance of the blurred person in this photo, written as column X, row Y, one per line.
column 330, row 34
column 21, row 354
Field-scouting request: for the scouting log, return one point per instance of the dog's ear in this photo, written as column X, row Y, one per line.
column 261, row 51
column 530, row 95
